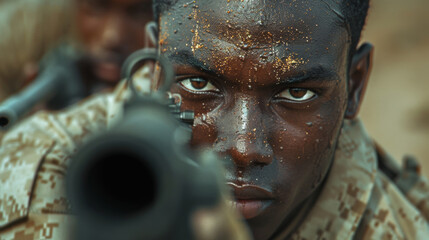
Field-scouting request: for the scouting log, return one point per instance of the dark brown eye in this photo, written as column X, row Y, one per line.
column 296, row 94
column 198, row 83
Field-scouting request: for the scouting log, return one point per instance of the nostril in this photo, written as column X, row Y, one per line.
column 249, row 157
column 265, row 159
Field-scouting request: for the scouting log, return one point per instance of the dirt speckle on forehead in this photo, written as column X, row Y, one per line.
column 257, row 23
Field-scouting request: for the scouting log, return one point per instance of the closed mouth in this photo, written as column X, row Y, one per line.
column 250, row 200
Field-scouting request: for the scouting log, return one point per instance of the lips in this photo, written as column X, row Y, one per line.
column 107, row 71
column 250, row 200
column 106, row 65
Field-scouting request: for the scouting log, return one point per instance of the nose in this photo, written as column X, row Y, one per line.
column 243, row 135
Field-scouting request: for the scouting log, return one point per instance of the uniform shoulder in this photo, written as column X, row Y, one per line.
column 390, row 214
column 46, row 135
column 21, row 152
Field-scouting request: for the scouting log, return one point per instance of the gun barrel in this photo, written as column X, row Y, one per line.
column 137, row 180
column 16, row 106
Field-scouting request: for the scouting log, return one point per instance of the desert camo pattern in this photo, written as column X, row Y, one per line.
column 33, row 162
column 357, row 201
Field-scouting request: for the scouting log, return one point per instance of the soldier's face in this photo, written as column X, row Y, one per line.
column 267, row 82
column 110, row 30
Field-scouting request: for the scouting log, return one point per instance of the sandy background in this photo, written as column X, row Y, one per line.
column 396, row 106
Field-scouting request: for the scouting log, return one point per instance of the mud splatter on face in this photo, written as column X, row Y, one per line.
column 271, row 75
column 196, row 40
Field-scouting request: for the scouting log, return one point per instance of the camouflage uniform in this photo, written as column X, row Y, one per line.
column 33, row 161
column 357, row 200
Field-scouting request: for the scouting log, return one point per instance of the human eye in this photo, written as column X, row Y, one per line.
column 296, row 94
column 197, row 84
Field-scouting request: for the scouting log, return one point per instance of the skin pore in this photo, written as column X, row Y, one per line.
column 269, row 85
column 109, row 31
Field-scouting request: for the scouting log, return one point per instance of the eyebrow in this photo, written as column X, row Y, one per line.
column 186, row 57
column 316, row 73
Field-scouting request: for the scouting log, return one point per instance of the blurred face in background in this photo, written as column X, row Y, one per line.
column 109, row 31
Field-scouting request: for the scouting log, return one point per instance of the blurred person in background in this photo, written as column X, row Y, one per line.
column 27, row 33
column 108, row 31
column 82, row 53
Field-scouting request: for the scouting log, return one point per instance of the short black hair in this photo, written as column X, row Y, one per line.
column 159, row 6
column 355, row 12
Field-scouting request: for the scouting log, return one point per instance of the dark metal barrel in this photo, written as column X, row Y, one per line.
column 140, row 180
column 59, row 79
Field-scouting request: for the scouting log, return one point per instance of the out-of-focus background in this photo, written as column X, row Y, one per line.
column 396, row 106
column 28, row 29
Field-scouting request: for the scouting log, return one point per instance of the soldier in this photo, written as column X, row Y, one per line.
column 104, row 34
column 276, row 87
column 108, row 32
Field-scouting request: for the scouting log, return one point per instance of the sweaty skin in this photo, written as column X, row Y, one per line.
column 268, row 83
column 109, row 31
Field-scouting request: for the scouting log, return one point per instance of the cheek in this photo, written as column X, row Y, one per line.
column 204, row 131
column 304, row 145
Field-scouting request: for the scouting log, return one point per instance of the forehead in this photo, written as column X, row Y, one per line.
column 308, row 25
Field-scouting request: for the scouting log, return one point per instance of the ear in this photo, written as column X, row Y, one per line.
column 358, row 78
column 151, row 35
